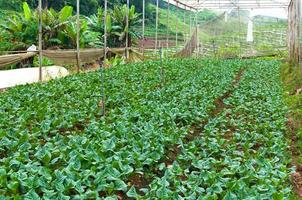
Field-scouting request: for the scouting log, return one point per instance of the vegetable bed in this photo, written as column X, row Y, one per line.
column 54, row 143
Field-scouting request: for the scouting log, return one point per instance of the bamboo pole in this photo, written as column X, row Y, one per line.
column 168, row 21
column 176, row 27
column 184, row 25
column 105, row 31
column 156, row 24
column 144, row 5
column 190, row 32
column 78, row 36
column 162, row 75
column 127, row 29
column 40, row 41
column 197, row 32
column 103, row 92
column 239, row 30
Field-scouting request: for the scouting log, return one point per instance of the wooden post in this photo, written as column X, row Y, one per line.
column 40, row 42
column 78, row 36
column 127, row 33
column 294, row 13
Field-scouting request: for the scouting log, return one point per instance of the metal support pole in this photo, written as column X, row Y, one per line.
column 127, row 33
column 78, row 36
column 40, row 41
column 156, row 24
column 144, row 5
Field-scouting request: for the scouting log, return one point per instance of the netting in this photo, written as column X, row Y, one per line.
column 190, row 46
column 66, row 57
column 69, row 57
column 7, row 60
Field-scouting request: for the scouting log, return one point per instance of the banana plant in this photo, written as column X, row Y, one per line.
column 97, row 25
column 20, row 29
column 54, row 23
column 70, row 32
column 119, row 15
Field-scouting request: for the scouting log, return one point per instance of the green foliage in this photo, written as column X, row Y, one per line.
column 292, row 81
column 241, row 153
column 19, row 30
column 55, row 144
column 291, row 77
column 116, row 25
column 115, row 61
column 60, row 30
column 27, row 12
column 119, row 15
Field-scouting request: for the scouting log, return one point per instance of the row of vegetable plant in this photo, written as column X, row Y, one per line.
column 241, row 152
column 54, row 144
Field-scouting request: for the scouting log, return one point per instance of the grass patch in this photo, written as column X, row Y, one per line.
column 292, row 80
column 291, row 77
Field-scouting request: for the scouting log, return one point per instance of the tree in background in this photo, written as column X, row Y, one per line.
column 87, row 7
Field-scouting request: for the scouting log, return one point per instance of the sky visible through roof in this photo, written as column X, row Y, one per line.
column 273, row 8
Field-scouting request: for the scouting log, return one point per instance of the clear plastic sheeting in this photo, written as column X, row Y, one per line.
column 228, row 4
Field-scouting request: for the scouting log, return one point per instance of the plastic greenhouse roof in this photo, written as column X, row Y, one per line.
column 228, row 4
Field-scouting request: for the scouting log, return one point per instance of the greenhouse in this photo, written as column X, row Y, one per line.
column 150, row 99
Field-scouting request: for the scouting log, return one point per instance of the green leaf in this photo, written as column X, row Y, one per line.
column 27, row 12
column 120, row 185
column 108, row 23
column 13, row 186
column 3, row 177
column 278, row 196
column 230, row 196
column 132, row 193
column 65, row 13
column 31, row 195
